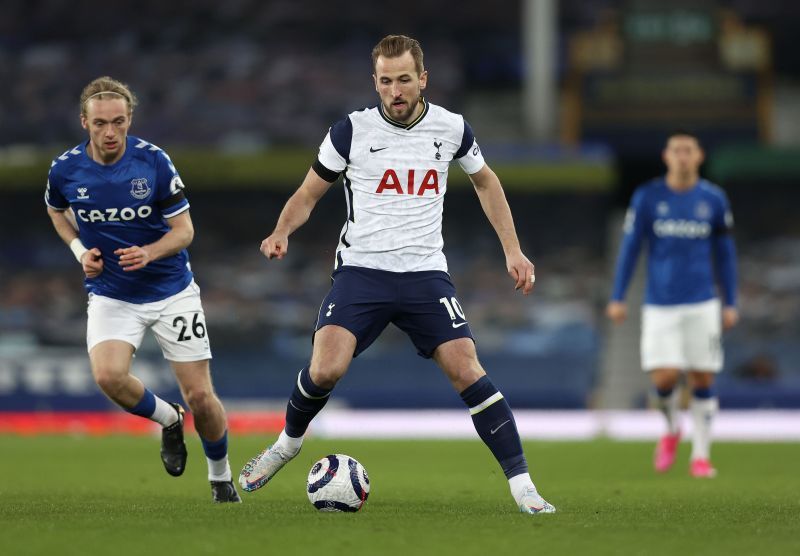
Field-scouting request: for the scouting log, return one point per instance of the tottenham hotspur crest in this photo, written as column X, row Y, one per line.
column 139, row 188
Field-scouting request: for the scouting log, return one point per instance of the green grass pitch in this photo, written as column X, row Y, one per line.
column 65, row 495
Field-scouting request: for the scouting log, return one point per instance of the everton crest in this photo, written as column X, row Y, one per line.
column 702, row 210
column 139, row 188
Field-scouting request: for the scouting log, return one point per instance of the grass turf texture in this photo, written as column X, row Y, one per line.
column 62, row 495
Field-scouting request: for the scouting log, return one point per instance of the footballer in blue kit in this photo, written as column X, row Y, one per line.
column 121, row 204
column 686, row 223
column 118, row 202
column 389, row 266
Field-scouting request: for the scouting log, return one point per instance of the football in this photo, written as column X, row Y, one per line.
column 338, row 483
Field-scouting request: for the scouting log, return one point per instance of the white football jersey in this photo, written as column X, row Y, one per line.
column 395, row 178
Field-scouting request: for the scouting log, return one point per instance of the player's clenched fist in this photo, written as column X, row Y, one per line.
column 92, row 263
column 275, row 246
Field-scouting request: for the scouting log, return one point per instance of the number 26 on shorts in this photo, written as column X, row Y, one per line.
column 198, row 328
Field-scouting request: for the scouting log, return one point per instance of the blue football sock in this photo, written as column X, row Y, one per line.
column 495, row 424
column 307, row 400
column 146, row 406
column 664, row 392
column 154, row 408
column 702, row 393
column 216, row 449
column 217, row 458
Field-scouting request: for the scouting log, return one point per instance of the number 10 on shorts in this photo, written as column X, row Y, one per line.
column 453, row 308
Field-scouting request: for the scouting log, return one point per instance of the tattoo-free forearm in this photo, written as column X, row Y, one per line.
column 495, row 206
column 169, row 244
column 63, row 227
column 295, row 213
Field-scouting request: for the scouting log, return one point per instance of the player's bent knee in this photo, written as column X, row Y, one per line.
column 327, row 377
column 466, row 378
column 701, row 379
column 665, row 378
column 200, row 401
column 459, row 361
column 109, row 381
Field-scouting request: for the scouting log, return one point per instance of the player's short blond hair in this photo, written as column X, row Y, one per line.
column 392, row 46
column 105, row 87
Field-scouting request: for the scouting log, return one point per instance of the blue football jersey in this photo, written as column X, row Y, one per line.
column 121, row 205
column 686, row 234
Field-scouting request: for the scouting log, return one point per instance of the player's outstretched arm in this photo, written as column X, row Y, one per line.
column 295, row 213
column 495, row 206
column 178, row 237
column 90, row 259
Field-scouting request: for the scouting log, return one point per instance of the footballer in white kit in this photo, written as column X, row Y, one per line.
column 389, row 265
column 395, row 178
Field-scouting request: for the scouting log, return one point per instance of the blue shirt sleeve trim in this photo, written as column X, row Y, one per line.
column 342, row 137
column 466, row 141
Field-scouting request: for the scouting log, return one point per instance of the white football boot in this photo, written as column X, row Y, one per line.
column 532, row 503
column 259, row 470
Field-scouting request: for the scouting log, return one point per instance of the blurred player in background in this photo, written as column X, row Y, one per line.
column 686, row 222
column 118, row 202
column 389, row 264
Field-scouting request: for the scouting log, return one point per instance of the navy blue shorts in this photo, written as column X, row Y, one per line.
column 421, row 304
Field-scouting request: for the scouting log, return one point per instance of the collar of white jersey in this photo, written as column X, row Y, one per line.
column 409, row 125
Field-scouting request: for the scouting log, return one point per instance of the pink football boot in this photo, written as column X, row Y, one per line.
column 701, row 468
column 666, row 449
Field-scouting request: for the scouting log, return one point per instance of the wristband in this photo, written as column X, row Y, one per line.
column 77, row 248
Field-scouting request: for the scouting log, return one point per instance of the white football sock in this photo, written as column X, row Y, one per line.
column 219, row 469
column 519, row 484
column 669, row 408
column 289, row 444
column 164, row 414
column 703, row 412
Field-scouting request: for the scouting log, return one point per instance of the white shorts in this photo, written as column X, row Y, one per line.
column 178, row 323
column 687, row 337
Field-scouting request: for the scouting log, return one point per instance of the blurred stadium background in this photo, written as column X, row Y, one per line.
column 570, row 100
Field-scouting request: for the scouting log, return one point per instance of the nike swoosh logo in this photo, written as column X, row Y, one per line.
column 372, row 150
column 459, row 324
column 494, row 430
